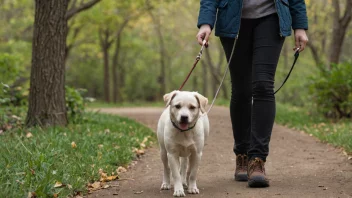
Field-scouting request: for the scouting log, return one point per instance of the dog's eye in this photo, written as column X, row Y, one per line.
column 192, row 107
column 178, row 106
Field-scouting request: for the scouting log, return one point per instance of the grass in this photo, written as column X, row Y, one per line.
column 336, row 133
column 36, row 163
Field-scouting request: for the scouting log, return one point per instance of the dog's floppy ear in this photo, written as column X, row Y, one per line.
column 168, row 97
column 202, row 101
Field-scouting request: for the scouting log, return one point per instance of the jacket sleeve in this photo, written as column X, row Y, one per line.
column 298, row 12
column 207, row 13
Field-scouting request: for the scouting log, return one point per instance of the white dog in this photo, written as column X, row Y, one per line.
column 182, row 131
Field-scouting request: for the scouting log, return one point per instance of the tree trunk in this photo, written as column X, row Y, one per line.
column 115, row 65
column 106, row 75
column 340, row 26
column 47, row 104
column 105, row 43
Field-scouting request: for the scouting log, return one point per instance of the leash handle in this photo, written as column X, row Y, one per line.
column 199, row 56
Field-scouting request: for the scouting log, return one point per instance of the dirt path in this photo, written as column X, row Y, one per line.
column 298, row 165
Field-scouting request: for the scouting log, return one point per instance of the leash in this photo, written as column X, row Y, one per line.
column 289, row 73
column 194, row 64
column 199, row 56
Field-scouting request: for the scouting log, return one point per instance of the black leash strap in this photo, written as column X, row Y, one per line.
column 289, row 73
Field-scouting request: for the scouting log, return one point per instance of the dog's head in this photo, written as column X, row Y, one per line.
column 185, row 107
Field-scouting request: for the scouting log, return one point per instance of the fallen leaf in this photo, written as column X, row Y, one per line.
column 349, row 158
column 19, row 181
column 58, row 184
column 107, row 130
column 16, row 117
column 73, row 144
column 109, row 178
column 32, row 195
column 1, row 131
column 106, row 186
column 145, row 139
column 140, row 152
column 55, row 195
column 142, row 145
column 69, row 186
column 96, row 185
column 138, row 192
column 29, row 134
column 100, row 146
column 121, row 169
column 33, row 172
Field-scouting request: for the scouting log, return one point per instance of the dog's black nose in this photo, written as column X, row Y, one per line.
column 184, row 119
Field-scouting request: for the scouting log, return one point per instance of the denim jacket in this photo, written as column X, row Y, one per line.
column 227, row 14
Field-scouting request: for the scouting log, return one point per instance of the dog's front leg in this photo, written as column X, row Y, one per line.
column 166, row 178
column 175, row 170
column 194, row 160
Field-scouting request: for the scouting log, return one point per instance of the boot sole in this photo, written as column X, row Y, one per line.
column 241, row 177
column 258, row 182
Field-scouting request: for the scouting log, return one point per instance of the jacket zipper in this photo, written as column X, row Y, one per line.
column 278, row 16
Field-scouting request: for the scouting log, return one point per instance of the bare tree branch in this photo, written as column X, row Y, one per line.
column 345, row 20
column 73, row 11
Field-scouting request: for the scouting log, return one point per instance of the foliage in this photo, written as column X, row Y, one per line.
column 11, row 117
column 33, row 160
column 303, row 119
column 10, row 70
column 75, row 104
column 332, row 91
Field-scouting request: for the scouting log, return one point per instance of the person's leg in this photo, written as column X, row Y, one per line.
column 267, row 46
column 241, row 94
column 241, row 86
column 266, row 51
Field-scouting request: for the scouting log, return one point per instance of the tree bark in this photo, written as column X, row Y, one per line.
column 340, row 26
column 117, row 77
column 47, row 104
column 115, row 65
column 105, row 44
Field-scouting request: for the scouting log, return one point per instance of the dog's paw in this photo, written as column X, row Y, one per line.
column 179, row 193
column 165, row 186
column 193, row 190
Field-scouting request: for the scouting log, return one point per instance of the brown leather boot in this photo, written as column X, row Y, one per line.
column 241, row 168
column 256, row 173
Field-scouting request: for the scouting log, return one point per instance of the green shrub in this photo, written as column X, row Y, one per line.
column 11, row 86
column 75, row 104
column 332, row 91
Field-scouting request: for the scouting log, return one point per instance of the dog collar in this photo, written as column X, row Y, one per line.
column 181, row 130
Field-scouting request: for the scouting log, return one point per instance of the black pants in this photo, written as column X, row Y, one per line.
column 252, row 70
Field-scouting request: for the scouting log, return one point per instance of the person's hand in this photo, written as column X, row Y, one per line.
column 203, row 34
column 301, row 39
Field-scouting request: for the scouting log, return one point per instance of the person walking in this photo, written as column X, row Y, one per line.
column 260, row 27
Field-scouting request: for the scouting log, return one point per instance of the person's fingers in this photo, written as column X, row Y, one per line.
column 297, row 43
column 207, row 34
column 304, row 43
column 200, row 39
